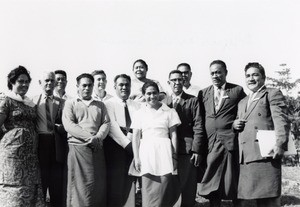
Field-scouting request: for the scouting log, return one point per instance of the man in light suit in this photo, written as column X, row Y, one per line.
column 262, row 109
column 118, row 146
column 51, row 146
column 220, row 102
column 191, row 137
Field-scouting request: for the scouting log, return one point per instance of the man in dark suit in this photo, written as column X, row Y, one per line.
column 262, row 109
column 191, row 137
column 220, row 102
column 51, row 146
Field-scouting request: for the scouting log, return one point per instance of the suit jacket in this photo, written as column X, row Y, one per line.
column 61, row 144
column 190, row 133
column 218, row 124
column 267, row 111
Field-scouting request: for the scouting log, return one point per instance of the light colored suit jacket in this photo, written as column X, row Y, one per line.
column 267, row 111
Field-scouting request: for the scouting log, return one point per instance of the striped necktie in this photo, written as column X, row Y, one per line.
column 48, row 115
column 217, row 99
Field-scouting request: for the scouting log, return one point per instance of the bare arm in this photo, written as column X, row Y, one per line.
column 135, row 147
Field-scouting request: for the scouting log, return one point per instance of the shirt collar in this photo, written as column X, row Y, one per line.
column 222, row 87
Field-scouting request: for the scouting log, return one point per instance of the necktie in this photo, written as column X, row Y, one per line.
column 217, row 99
column 48, row 115
column 127, row 116
column 175, row 102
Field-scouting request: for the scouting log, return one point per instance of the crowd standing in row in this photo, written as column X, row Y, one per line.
column 97, row 149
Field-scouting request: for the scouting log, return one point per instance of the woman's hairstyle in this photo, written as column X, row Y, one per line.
column 148, row 84
column 258, row 66
column 15, row 73
column 143, row 63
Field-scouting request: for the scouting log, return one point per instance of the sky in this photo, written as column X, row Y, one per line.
column 82, row 36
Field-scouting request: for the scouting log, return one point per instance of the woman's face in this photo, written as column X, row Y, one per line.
column 139, row 70
column 151, row 96
column 21, row 85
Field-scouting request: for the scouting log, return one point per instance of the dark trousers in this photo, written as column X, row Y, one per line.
column 52, row 172
column 120, row 186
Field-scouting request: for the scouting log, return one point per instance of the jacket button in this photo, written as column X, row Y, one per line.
column 259, row 114
column 255, row 127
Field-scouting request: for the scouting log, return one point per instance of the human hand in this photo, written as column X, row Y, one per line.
column 137, row 164
column 175, row 162
column 196, row 159
column 95, row 143
column 277, row 152
column 239, row 124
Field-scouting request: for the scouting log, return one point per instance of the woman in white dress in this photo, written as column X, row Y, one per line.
column 155, row 148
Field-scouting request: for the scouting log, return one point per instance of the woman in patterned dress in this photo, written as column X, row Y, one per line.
column 155, row 154
column 19, row 171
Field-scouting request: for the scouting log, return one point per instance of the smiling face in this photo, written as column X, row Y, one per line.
column 100, row 82
column 218, row 75
column 151, row 96
column 176, row 83
column 85, row 88
column 21, row 85
column 139, row 70
column 122, row 87
column 60, row 82
column 254, row 79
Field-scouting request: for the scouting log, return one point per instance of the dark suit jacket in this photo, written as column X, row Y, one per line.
column 61, row 144
column 218, row 124
column 267, row 111
column 191, row 133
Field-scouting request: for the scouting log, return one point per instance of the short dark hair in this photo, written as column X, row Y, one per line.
column 219, row 62
column 84, row 75
column 98, row 72
column 15, row 73
column 184, row 65
column 258, row 66
column 148, row 84
column 174, row 72
column 140, row 61
column 62, row 72
column 122, row 76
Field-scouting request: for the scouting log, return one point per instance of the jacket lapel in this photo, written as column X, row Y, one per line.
column 254, row 102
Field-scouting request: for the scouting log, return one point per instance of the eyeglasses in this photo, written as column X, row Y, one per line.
column 174, row 80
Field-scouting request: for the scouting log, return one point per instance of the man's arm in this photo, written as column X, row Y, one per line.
column 105, row 125
column 115, row 132
column 281, row 124
column 70, row 123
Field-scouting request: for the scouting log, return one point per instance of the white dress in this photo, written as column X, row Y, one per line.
column 155, row 146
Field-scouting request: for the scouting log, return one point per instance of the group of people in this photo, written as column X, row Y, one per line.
column 99, row 149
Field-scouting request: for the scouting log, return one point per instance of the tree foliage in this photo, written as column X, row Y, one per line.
column 286, row 85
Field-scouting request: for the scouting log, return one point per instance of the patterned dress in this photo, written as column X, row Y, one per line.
column 19, row 171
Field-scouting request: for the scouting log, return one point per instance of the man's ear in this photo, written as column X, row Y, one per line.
column 168, row 82
column 40, row 82
column 115, row 86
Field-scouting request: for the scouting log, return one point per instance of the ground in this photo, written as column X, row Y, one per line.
column 290, row 190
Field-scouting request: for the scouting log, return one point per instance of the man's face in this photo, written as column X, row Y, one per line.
column 61, row 82
column 85, row 88
column 139, row 70
column 122, row 87
column 100, row 82
column 186, row 74
column 254, row 79
column 48, row 83
column 176, row 83
column 218, row 75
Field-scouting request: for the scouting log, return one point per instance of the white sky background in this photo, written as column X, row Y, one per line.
column 81, row 36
